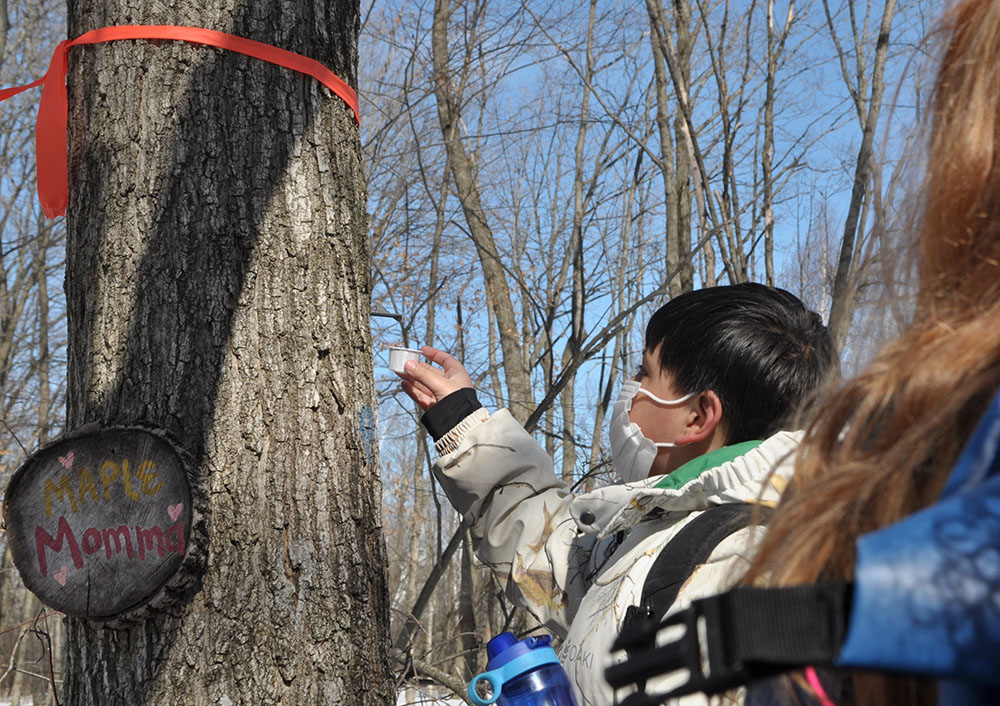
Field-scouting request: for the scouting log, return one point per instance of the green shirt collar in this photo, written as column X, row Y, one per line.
column 696, row 466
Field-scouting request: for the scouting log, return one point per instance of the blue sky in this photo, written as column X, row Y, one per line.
column 520, row 119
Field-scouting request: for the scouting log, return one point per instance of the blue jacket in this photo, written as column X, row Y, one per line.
column 927, row 589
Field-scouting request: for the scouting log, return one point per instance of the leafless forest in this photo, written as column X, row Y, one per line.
column 541, row 175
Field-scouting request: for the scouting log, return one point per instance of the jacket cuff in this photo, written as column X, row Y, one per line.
column 453, row 439
column 449, row 412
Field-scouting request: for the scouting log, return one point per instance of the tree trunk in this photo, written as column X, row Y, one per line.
column 515, row 368
column 468, row 629
column 4, row 28
column 675, row 163
column 767, row 156
column 840, row 309
column 218, row 289
column 572, row 353
column 685, row 47
column 675, row 62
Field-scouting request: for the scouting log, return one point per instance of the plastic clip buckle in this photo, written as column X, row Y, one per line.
column 699, row 650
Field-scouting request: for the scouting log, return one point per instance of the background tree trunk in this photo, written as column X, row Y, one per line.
column 682, row 187
column 218, row 282
column 841, row 308
column 30, row 636
column 775, row 46
column 516, row 372
column 674, row 161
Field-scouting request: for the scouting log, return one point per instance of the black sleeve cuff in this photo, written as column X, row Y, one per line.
column 443, row 416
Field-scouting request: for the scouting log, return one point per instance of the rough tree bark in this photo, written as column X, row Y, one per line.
column 218, row 288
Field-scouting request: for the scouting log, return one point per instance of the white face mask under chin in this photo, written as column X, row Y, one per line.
column 632, row 452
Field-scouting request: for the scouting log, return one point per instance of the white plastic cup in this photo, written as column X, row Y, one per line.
column 398, row 357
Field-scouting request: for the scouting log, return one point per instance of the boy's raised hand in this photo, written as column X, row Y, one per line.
column 428, row 385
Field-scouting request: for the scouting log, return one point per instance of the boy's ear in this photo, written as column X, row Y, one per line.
column 704, row 419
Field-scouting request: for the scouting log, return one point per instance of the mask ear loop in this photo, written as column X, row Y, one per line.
column 660, row 400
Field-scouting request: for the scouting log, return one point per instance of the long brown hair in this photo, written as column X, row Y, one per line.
column 882, row 445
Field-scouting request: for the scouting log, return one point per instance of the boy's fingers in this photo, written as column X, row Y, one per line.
column 421, row 398
column 414, row 384
column 422, row 389
column 431, row 377
column 445, row 360
column 452, row 367
column 430, row 351
column 436, row 382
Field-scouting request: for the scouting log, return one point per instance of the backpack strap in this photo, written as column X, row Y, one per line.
column 690, row 548
column 736, row 637
column 682, row 555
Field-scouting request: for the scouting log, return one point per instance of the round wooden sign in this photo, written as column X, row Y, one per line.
column 98, row 523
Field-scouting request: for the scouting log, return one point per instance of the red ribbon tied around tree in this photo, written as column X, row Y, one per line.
column 50, row 130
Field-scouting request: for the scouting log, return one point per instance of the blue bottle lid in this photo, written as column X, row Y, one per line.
column 500, row 643
column 509, row 659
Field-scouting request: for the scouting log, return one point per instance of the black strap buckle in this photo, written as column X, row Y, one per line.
column 735, row 637
column 700, row 650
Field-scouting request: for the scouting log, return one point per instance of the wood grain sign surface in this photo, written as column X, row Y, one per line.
column 98, row 523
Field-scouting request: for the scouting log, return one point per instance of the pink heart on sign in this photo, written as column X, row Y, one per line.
column 175, row 510
column 61, row 575
column 67, row 461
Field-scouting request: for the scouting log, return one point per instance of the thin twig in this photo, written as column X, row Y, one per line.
column 48, row 653
column 453, row 684
column 11, row 628
column 11, row 431
column 29, row 673
column 13, row 652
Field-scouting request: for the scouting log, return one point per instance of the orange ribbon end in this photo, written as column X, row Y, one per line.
column 50, row 130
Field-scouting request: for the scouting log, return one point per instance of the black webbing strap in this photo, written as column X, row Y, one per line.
column 690, row 548
column 801, row 625
column 738, row 636
column 680, row 558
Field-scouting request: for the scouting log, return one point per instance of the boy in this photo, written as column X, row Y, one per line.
column 723, row 370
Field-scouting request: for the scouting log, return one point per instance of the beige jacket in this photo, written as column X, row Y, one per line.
column 578, row 561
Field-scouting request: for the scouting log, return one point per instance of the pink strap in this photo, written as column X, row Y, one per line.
column 50, row 131
column 817, row 687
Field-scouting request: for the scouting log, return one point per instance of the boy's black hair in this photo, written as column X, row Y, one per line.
column 757, row 347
